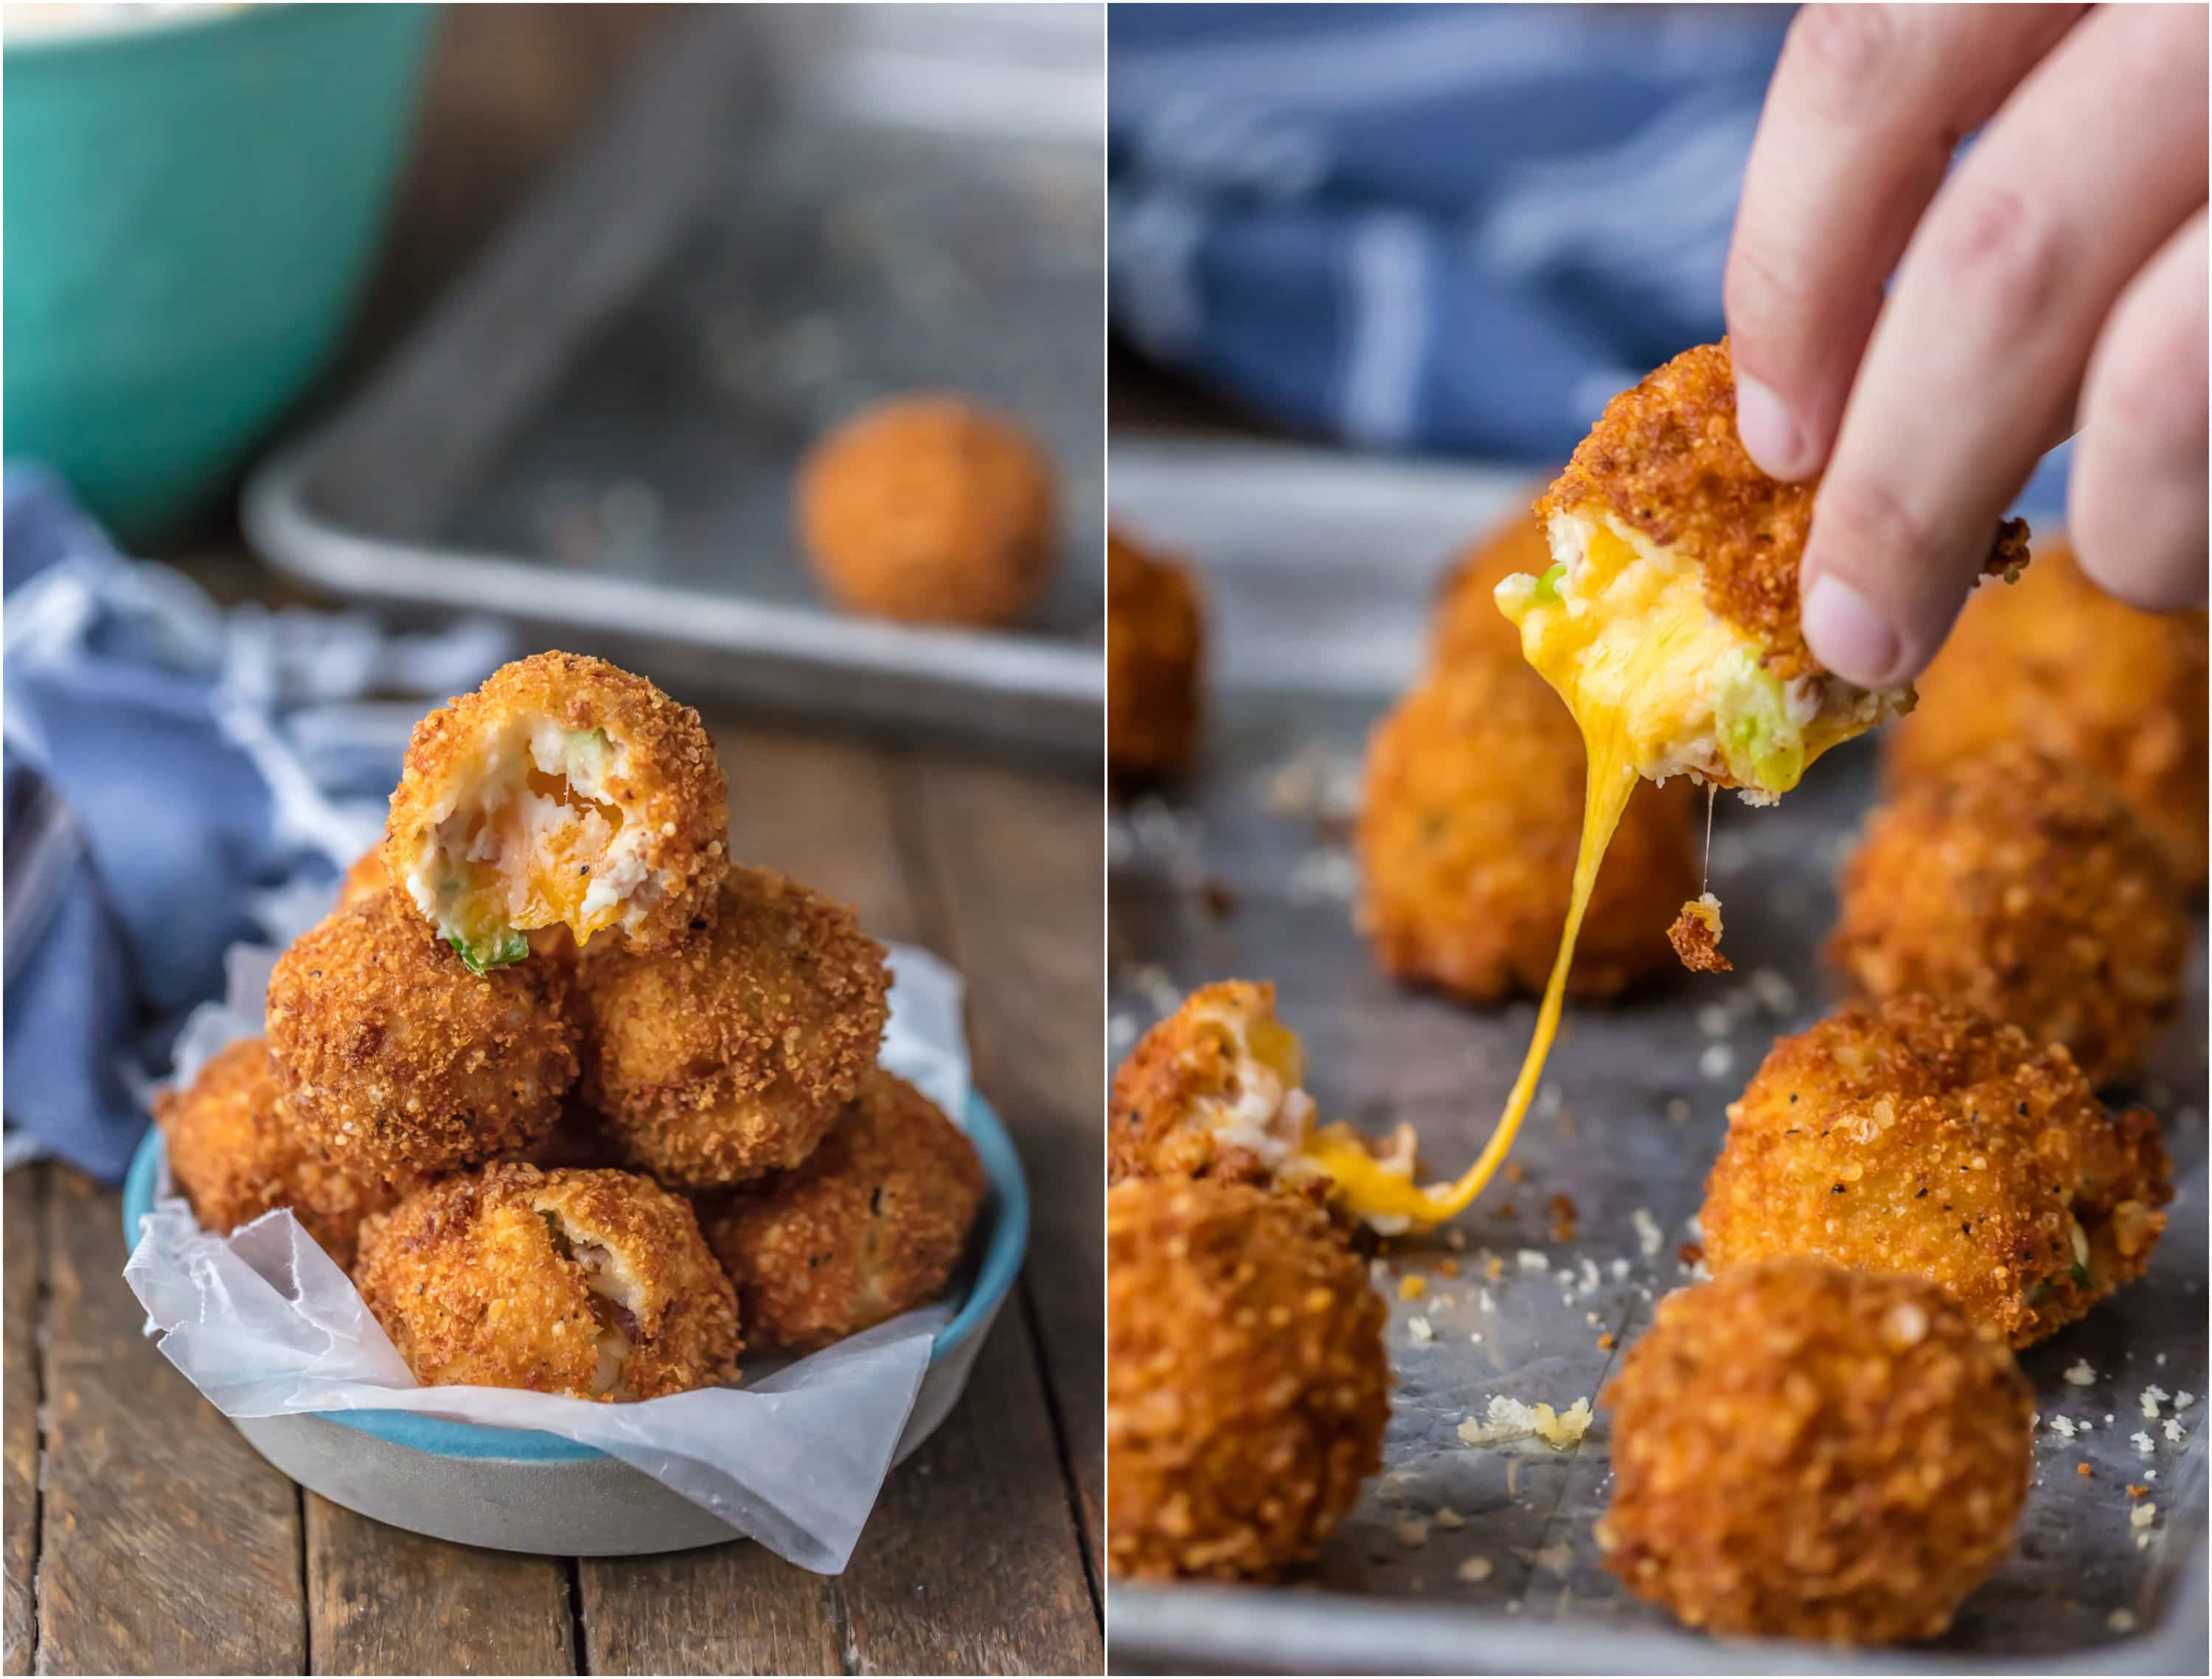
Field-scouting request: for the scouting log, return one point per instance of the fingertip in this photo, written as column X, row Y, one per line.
column 1777, row 443
column 1849, row 634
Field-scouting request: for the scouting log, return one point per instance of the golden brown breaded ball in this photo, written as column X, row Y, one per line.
column 1916, row 1137
column 868, row 1226
column 1155, row 644
column 365, row 879
column 729, row 1054
column 1247, row 1386
column 397, row 1057
column 2020, row 885
column 564, row 792
column 1464, row 616
column 2058, row 664
column 1211, row 1091
column 931, row 509
column 1800, row 1451
column 237, row 1152
column 593, row 1284
column 1470, row 816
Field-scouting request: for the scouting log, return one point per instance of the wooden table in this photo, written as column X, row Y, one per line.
column 145, row 1536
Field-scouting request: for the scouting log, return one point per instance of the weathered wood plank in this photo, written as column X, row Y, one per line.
column 382, row 1600
column 732, row 1608
column 166, row 1544
column 1018, row 862
column 971, row 1563
column 24, row 1269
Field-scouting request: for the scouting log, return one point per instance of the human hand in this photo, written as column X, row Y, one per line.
column 2056, row 279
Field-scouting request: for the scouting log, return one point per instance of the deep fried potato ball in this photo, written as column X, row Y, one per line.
column 932, row 509
column 593, row 1284
column 1669, row 614
column 1465, row 614
column 729, row 1054
column 1469, row 820
column 2020, row 886
column 1155, row 642
column 2058, row 664
column 1800, row 1451
column 238, row 1153
column 868, row 1226
column 1247, row 1386
column 397, row 1057
column 1918, row 1137
column 1214, row 1090
column 562, row 793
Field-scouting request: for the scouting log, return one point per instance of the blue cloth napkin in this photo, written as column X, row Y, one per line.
column 178, row 777
column 1456, row 229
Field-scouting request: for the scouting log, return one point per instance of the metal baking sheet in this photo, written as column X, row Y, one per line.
column 1246, row 873
column 795, row 211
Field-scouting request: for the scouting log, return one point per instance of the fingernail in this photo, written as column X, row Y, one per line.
column 1768, row 431
column 1847, row 634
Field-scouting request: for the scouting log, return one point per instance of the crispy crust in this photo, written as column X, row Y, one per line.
column 1470, row 818
column 365, row 879
column 932, row 509
column 1804, row 1452
column 1696, row 937
column 1247, row 1385
column 1665, row 460
column 674, row 790
column 1918, row 1138
column 2020, row 885
column 1155, row 642
column 1183, row 1059
column 2057, row 663
column 729, row 1055
column 395, row 1056
column 238, row 1153
column 870, row 1226
column 1464, row 616
column 469, row 1280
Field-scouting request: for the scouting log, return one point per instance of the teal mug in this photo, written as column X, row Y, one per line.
column 190, row 204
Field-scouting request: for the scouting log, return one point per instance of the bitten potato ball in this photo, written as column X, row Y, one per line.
column 932, row 509
column 563, row 793
column 1470, row 816
column 1918, row 1138
column 396, row 1058
column 729, row 1054
column 238, row 1153
column 868, row 1226
column 1247, row 1386
column 2020, row 886
column 1214, row 1090
column 1800, row 1451
column 597, row 1285
column 2056, row 663
column 1155, row 642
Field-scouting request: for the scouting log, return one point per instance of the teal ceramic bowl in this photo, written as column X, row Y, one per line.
column 190, row 205
column 519, row 1489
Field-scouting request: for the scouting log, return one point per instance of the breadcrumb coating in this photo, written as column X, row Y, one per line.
column 1800, row 1451
column 563, row 792
column 398, row 1059
column 597, row 1285
column 1665, row 460
column 237, row 1154
column 1916, row 1137
column 1470, row 817
column 729, row 1054
column 2020, row 885
column 1211, row 1091
column 1155, row 644
column 1246, row 1384
column 931, row 509
column 2057, row 663
column 1696, row 937
column 868, row 1226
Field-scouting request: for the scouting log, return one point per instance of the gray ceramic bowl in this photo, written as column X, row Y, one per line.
column 514, row 1489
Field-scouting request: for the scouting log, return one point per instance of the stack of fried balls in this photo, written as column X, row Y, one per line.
column 584, row 1106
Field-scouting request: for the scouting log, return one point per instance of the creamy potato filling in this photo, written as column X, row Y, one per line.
column 615, row 1301
column 526, row 837
column 1620, row 627
column 1266, row 1113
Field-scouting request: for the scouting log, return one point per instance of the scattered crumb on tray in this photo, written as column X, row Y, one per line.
column 1509, row 1420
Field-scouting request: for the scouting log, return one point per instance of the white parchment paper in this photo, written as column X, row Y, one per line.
column 264, row 1323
